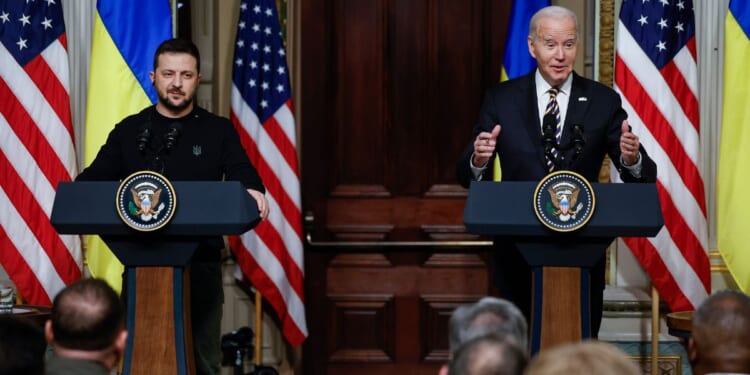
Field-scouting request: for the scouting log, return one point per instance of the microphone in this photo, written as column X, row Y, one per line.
column 144, row 137
column 548, row 133
column 173, row 133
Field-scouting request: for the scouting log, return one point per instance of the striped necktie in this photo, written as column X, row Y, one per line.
column 554, row 109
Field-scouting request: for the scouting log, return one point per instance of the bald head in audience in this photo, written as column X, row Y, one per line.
column 720, row 340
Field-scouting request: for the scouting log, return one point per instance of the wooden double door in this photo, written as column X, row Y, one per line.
column 390, row 92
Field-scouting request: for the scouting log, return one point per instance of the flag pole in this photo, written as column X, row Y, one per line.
column 654, row 330
column 173, row 5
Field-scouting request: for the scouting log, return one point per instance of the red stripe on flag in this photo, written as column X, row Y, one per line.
column 692, row 48
column 279, row 138
column 660, row 274
column 23, row 276
column 270, row 236
column 52, row 89
column 31, row 136
column 676, row 82
column 269, row 290
column 683, row 236
column 270, row 179
column 38, row 222
column 661, row 129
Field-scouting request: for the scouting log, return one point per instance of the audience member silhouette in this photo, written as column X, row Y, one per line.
column 720, row 338
column 491, row 354
column 86, row 329
column 582, row 358
column 22, row 346
column 489, row 315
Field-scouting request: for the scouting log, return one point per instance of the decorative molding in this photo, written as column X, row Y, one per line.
column 435, row 314
column 448, row 233
column 606, row 41
column 446, row 190
column 360, row 260
column 361, row 328
column 361, row 232
column 668, row 364
column 360, row 191
column 455, row 260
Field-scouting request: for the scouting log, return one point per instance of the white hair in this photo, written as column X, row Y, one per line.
column 552, row 11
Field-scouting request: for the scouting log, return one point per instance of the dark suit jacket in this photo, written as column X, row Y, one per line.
column 513, row 105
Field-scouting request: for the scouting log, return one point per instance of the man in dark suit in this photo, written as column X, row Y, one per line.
column 510, row 127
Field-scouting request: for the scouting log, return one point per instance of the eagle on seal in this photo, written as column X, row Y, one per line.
column 564, row 199
column 145, row 201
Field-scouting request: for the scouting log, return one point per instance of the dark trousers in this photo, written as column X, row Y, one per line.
column 512, row 277
column 206, row 305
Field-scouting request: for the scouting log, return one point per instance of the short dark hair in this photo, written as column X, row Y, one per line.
column 22, row 346
column 87, row 315
column 178, row 45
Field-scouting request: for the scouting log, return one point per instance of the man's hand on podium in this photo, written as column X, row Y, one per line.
column 260, row 199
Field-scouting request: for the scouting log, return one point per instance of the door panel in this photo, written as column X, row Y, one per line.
column 390, row 92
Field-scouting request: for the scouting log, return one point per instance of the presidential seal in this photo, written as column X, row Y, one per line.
column 564, row 201
column 146, row 201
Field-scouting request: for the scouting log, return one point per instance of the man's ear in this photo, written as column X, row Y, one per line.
column 48, row 335
column 121, row 341
column 530, row 43
column 443, row 370
column 151, row 75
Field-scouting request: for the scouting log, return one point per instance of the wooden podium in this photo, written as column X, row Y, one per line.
column 156, row 285
column 561, row 262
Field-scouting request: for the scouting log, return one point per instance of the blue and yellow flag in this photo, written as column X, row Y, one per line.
column 733, row 208
column 516, row 59
column 126, row 35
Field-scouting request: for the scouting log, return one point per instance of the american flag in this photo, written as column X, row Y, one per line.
column 656, row 75
column 270, row 255
column 36, row 148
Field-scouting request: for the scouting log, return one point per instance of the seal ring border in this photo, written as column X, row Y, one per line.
column 166, row 181
column 544, row 181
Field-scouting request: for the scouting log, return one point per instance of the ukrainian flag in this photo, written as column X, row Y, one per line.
column 126, row 35
column 516, row 59
column 733, row 210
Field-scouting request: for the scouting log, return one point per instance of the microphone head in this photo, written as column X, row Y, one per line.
column 548, row 132
column 173, row 133
column 143, row 137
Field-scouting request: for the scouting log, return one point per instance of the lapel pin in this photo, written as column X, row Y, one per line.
column 583, row 99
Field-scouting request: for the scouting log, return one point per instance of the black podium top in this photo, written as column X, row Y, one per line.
column 507, row 209
column 204, row 208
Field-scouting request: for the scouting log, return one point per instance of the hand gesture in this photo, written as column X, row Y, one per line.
column 484, row 146
column 629, row 145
